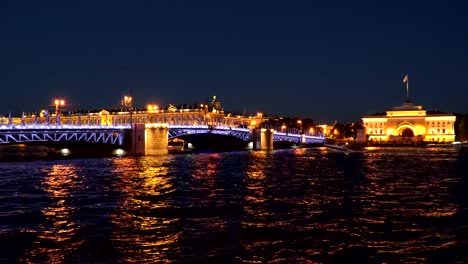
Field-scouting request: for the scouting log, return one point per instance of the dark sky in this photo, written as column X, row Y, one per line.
column 327, row 60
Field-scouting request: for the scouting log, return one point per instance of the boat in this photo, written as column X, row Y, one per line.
column 337, row 147
column 347, row 147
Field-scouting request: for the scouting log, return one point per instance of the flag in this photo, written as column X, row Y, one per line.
column 405, row 79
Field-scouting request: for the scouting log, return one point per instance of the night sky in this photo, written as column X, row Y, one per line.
column 327, row 60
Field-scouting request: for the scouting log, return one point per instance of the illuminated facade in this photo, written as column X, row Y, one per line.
column 409, row 123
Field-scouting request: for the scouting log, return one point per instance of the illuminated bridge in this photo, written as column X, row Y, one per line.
column 146, row 132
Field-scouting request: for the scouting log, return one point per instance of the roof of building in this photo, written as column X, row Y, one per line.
column 407, row 105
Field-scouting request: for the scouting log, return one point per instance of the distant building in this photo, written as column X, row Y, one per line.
column 327, row 129
column 409, row 123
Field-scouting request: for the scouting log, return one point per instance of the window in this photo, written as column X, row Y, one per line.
column 443, row 131
column 381, row 132
column 438, row 132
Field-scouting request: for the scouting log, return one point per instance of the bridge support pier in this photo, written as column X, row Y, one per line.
column 156, row 139
column 149, row 139
column 263, row 139
column 138, row 139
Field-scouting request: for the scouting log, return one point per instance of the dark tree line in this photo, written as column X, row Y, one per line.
column 348, row 130
column 461, row 127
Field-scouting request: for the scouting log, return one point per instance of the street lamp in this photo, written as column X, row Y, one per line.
column 58, row 102
column 300, row 124
column 311, row 130
column 127, row 103
column 152, row 108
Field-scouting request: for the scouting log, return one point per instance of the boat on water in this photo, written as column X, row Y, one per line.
column 336, row 147
column 344, row 148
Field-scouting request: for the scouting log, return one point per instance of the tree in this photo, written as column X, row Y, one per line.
column 354, row 127
column 462, row 129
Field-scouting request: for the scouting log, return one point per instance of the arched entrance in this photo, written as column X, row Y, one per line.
column 407, row 133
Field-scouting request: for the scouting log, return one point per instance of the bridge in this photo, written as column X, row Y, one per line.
column 146, row 131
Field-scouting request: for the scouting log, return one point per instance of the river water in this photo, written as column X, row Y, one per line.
column 287, row 206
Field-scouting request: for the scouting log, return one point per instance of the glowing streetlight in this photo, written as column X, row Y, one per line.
column 127, row 103
column 300, row 124
column 283, row 127
column 58, row 102
column 152, row 108
column 311, row 130
column 253, row 123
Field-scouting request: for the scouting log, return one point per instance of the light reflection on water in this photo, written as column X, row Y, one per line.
column 56, row 236
column 301, row 205
column 141, row 234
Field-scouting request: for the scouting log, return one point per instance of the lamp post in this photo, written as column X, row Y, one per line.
column 58, row 102
column 127, row 103
column 300, row 125
column 151, row 108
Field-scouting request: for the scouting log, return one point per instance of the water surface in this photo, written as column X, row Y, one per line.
column 293, row 206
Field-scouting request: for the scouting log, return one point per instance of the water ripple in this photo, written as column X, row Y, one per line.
column 300, row 206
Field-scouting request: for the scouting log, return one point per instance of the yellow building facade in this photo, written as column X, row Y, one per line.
column 409, row 123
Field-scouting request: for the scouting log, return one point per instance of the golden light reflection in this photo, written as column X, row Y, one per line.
column 57, row 235
column 406, row 200
column 256, row 176
column 205, row 180
column 207, row 167
column 143, row 232
column 257, row 214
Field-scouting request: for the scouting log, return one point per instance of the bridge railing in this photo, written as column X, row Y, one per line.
column 124, row 119
column 104, row 118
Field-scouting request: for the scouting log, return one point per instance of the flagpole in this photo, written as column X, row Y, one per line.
column 407, row 89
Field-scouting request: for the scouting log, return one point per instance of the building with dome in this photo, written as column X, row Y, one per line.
column 409, row 123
